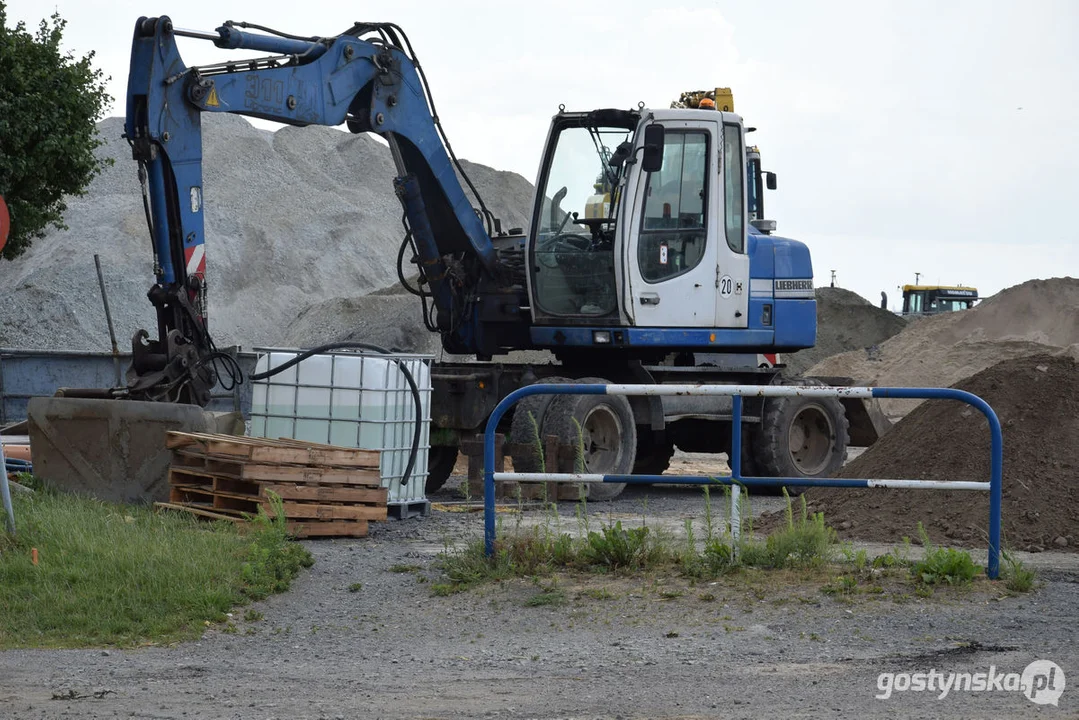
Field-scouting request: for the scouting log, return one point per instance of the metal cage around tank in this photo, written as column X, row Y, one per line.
column 351, row 399
column 737, row 392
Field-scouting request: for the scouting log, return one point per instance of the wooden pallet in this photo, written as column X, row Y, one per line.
column 274, row 452
column 324, row 490
column 199, row 462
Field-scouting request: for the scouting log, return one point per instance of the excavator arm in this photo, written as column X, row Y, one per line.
column 366, row 77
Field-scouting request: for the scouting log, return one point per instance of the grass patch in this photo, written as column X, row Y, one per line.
column 842, row 585
column 550, row 596
column 405, row 568
column 124, row 576
column 601, row 593
column 805, row 542
column 804, row 552
column 1017, row 576
column 617, row 548
column 943, row 565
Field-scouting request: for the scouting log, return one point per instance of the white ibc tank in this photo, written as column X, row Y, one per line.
column 351, row 400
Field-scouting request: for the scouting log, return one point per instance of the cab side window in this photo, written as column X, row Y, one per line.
column 734, row 194
column 673, row 229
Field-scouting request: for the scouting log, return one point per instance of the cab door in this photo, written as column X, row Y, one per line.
column 732, row 260
column 671, row 266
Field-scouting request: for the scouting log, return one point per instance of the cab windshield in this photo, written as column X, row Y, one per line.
column 575, row 230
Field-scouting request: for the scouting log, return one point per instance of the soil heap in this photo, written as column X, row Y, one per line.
column 1036, row 317
column 1037, row 401
column 845, row 322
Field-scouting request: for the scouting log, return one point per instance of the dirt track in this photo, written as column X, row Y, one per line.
column 653, row 648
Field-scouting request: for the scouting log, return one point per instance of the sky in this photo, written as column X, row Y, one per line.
column 930, row 137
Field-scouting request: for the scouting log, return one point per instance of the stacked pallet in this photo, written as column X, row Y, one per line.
column 325, row 490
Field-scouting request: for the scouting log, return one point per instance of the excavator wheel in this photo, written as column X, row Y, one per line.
column 523, row 432
column 605, row 426
column 653, row 458
column 440, row 462
column 750, row 468
column 801, row 437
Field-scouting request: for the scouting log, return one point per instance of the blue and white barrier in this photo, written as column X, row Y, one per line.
column 737, row 392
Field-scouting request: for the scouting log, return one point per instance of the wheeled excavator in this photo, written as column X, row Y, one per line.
column 674, row 277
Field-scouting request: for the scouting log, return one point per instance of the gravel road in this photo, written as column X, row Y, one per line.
column 619, row 647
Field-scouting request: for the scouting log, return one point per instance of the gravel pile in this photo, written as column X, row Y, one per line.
column 393, row 321
column 1036, row 317
column 294, row 218
column 845, row 322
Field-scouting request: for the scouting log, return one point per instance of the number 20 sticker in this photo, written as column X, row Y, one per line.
column 726, row 286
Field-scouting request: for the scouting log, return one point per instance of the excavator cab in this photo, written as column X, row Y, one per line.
column 644, row 226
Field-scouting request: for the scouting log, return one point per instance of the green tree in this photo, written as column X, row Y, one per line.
column 49, row 102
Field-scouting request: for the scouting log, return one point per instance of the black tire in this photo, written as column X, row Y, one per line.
column 801, row 437
column 652, row 458
column 609, row 434
column 440, row 462
column 749, row 461
column 523, row 433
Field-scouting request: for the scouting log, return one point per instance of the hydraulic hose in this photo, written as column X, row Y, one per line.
column 354, row 345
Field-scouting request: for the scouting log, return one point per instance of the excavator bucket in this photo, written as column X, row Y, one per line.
column 113, row 450
column 868, row 422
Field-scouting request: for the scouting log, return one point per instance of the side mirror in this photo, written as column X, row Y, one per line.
column 770, row 180
column 653, row 148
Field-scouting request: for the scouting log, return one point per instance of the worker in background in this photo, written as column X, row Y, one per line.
column 883, row 300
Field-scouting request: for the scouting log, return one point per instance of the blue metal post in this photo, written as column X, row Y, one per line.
column 489, row 481
column 736, row 437
column 996, row 493
column 996, row 451
column 5, row 491
column 489, row 445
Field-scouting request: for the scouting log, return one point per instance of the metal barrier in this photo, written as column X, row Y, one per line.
column 5, row 493
column 737, row 392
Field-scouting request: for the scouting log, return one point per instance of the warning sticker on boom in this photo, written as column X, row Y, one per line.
column 5, row 223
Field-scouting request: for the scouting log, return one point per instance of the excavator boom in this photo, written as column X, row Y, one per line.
column 366, row 77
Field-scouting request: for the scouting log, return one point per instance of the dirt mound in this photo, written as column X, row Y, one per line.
column 1037, row 401
column 845, row 321
column 1036, row 317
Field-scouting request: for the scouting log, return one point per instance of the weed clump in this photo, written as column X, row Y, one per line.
column 943, row 565
column 1017, row 576
column 804, row 543
column 617, row 548
column 272, row 562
